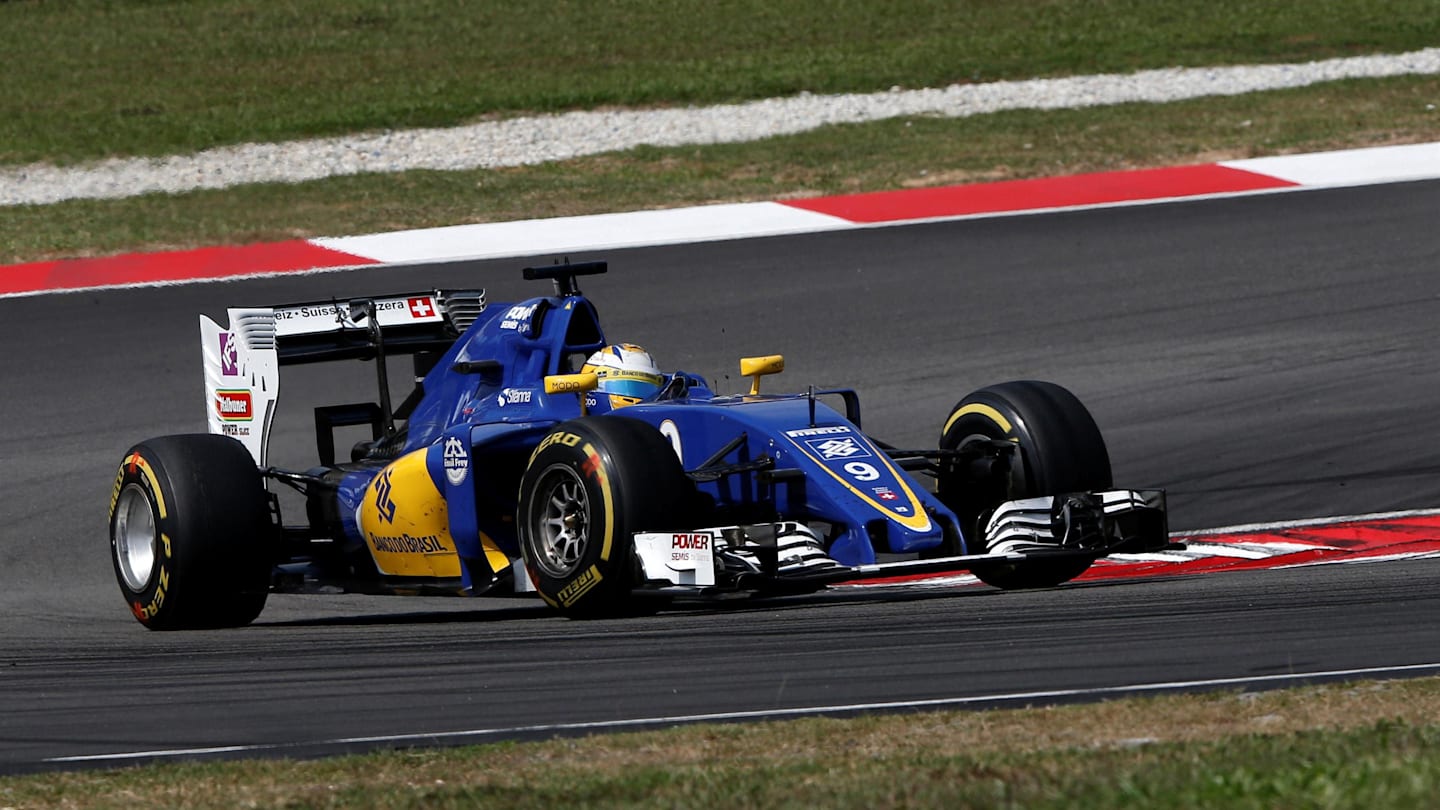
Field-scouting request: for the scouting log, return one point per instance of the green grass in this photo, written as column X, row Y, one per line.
column 91, row 78
column 1358, row 746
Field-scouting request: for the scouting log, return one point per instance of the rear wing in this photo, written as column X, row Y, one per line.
column 242, row 360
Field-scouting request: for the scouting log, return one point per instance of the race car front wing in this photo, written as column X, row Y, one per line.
column 791, row 555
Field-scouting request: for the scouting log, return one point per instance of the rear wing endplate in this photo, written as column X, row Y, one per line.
column 242, row 360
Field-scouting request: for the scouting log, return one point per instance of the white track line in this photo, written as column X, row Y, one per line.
column 1253, row 528
column 762, row 714
column 1002, row 697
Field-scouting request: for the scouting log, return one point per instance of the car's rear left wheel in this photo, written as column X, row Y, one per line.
column 190, row 533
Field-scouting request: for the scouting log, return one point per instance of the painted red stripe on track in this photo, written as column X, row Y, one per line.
column 880, row 207
column 181, row 265
column 1349, row 541
column 1338, row 542
column 1364, row 536
column 1357, row 535
column 1040, row 193
column 1204, row 565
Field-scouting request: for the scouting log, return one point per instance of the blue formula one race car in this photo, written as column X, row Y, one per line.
column 535, row 456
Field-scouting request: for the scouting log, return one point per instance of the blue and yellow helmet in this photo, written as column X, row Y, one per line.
column 627, row 374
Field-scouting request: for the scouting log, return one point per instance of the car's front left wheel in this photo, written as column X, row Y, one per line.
column 1056, row 449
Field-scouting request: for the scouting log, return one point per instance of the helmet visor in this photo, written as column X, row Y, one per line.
column 630, row 384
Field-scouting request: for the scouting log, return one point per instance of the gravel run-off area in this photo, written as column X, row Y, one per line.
column 531, row 140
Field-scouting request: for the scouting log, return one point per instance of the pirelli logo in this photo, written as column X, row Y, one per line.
column 570, row 594
column 567, row 439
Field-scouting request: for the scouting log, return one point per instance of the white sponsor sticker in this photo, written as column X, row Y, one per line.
column 833, row 430
column 681, row 558
column 308, row 319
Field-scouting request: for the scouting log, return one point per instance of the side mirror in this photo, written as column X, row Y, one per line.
column 573, row 384
column 757, row 367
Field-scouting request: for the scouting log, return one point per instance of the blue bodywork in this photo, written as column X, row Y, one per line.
column 488, row 391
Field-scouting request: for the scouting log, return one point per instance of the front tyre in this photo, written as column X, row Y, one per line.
column 190, row 533
column 592, row 483
column 1058, row 450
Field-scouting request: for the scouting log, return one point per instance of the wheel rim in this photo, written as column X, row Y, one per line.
column 135, row 537
column 1019, row 476
column 560, row 521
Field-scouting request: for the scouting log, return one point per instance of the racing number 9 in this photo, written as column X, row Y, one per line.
column 861, row 471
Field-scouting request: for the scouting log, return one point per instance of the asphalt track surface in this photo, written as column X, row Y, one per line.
column 1264, row 358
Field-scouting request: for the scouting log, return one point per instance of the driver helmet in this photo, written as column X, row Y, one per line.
column 627, row 374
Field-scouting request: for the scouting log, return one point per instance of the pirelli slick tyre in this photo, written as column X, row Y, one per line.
column 1059, row 449
column 190, row 533
column 590, row 484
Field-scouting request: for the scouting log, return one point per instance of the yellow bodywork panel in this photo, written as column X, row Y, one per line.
column 406, row 524
column 497, row 559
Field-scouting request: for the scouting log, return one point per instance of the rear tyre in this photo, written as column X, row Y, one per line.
column 589, row 486
column 1059, row 449
column 190, row 533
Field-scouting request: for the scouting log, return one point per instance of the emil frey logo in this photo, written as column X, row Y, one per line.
column 229, row 355
column 456, row 461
